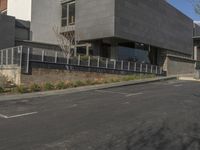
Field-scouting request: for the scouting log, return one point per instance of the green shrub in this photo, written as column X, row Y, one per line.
column 88, row 82
column 1, row 90
column 112, row 80
column 69, row 85
column 35, row 88
column 79, row 83
column 48, row 86
column 21, row 89
column 61, row 85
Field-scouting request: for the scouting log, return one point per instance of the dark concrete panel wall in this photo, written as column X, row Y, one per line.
column 154, row 22
column 7, row 31
column 95, row 18
column 22, row 30
column 178, row 66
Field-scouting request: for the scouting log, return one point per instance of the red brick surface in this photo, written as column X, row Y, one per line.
column 3, row 5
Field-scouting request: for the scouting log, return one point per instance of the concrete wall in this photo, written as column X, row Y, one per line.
column 179, row 66
column 46, row 14
column 21, row 9
column 95, row 18
column 12, row 73
column 42, row 75
column 7, row 31
column 154, row 22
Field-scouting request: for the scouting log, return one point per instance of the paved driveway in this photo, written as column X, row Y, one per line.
column 155, row 116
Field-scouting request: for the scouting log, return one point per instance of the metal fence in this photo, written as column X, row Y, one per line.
column 23, row 56
column 11, row 56
column 197, row 65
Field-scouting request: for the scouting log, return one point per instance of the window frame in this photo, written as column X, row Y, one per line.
column 67, row 17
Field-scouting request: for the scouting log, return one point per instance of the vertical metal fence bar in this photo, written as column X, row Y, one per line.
column 135, row 67
column 56, row 57
column 141, row 67
column 43, row 55
column 98, row 61
column 161, row 70
column 106, row 62
column 156, row 69
column 6, row 56
column 79, row 60
column 21, row 53
column 2, row 58
column 114, row 64
column 146, row 68
column 122, row 65
column 89, row 61
column 28, row 59
column 68, row 58
column 12, row 56
column 129, row 65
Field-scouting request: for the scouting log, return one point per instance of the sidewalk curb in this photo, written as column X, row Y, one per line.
column 82, row 89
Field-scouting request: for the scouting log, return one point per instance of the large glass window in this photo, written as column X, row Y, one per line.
column 68, row 13
column 64, row 14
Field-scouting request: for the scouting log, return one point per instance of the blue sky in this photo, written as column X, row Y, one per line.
column 186, row 7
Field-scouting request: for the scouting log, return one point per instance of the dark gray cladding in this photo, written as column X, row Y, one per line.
column 95, row 18
column 154, row 22
column 196, row 29
column 7, row 31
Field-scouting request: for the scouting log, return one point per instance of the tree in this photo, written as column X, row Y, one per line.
column 196, row 5
column 67, row 41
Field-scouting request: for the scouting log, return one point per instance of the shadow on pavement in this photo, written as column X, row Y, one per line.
column 156, row 136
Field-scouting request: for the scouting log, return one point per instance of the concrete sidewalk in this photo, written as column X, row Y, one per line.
column 188, row 79
column 82, row 89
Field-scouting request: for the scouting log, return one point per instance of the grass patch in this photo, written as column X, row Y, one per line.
column 35, row 88
column 21, row 89
column 48, row 86
column 61, row 85
column 1, row 90
column 73, row 84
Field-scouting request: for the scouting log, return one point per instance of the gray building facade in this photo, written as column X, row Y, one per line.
column 117, row 26
column 140, row 30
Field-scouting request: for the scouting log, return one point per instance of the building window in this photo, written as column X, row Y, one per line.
column 68, row 13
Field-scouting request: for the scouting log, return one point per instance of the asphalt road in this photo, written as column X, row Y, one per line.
column 154, row 116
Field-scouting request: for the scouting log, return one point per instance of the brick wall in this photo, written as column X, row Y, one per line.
column 3, row 5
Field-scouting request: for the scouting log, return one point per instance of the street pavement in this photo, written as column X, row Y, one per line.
column 155, row 116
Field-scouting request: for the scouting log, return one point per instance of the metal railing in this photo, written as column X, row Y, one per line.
column 23, row 55
column 11, row 56
column 197, row 65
